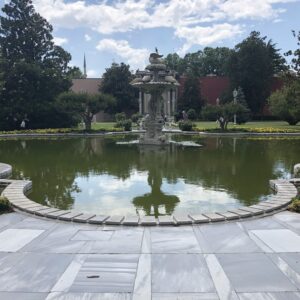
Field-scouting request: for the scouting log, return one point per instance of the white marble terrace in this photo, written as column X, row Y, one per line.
column 254, row 258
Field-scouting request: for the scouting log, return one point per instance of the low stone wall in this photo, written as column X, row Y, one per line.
column 16, row 189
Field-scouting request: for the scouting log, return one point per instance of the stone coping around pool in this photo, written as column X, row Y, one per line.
column 200, row 133
column 15, row 191
column 5, row 170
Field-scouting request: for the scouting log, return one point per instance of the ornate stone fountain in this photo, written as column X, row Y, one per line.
column 154, row 81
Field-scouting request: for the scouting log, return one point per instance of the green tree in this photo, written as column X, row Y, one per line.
column 116, row 81
column 36, row 69
column 84, row 105
column 191, row 95
column 175, row 62
column 75, row 73
column 295, row 62
column 252, row 66
column 285, row 103
column 215, row 61
column 2, row 68
column 201, row 63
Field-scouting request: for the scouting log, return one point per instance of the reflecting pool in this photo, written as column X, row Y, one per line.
column 98, row 175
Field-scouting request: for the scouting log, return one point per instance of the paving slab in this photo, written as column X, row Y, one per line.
column 114, row 220
column 166, row 220
column 185, row 296
column 35, row 273
column 229, row 215
column 182, row 219
column 106, row 273
column 58, row 241
column 261, row 223
column 270, row 296
column 214, row 217
column 199, row 218
column 89, row 296
column 222, row 284
column 56, row 214
column 22, row 296
column 12, row 240
column 83, row 218
column 259, row 273
column 148, row 221
column 265, row 208
column 180, row 273
column 227, row 238
column 241, row 213
column 174, row 240
column 131, row 221
column 279, row 240
column 289, row 218
column 70, row 216
column 92, row 235
column 10, row 219
column 98, row 219
column 127, row 240
column 253, row 211
column 43, row 212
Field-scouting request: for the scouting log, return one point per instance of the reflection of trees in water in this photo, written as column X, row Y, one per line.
column 241, row 166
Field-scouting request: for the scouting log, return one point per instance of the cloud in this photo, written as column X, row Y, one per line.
column 87, row 37
column 123, row 16
column 135, row 57
column 59, row 41
column 92, row 73
column 206, row 35
column 189, row 19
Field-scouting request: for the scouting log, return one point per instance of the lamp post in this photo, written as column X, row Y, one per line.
column 235, row 102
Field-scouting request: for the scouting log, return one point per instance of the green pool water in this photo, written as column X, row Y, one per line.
column 97, row 175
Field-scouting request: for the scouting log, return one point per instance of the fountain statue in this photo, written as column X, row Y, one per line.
column 154, row 81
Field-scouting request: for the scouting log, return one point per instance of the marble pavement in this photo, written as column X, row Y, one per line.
column 256, row 258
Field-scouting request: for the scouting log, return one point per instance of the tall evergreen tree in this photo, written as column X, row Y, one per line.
column 252, row 66
column 116, row 82
column 191, row 95
column 36, row 68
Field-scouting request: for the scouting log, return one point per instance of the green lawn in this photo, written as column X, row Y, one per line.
column 262, row 124
column 103, row 125
column 280, row 125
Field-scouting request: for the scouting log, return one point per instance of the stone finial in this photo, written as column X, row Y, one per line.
column 297, row 170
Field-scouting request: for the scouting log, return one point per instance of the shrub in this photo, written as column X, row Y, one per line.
column 126, row 124
column 285, row 103
column 192, row 115
column 120, row 117
column 135, row 117
column 4, row 205
column 186, row 125
column 295, row 205
column 210, row 112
